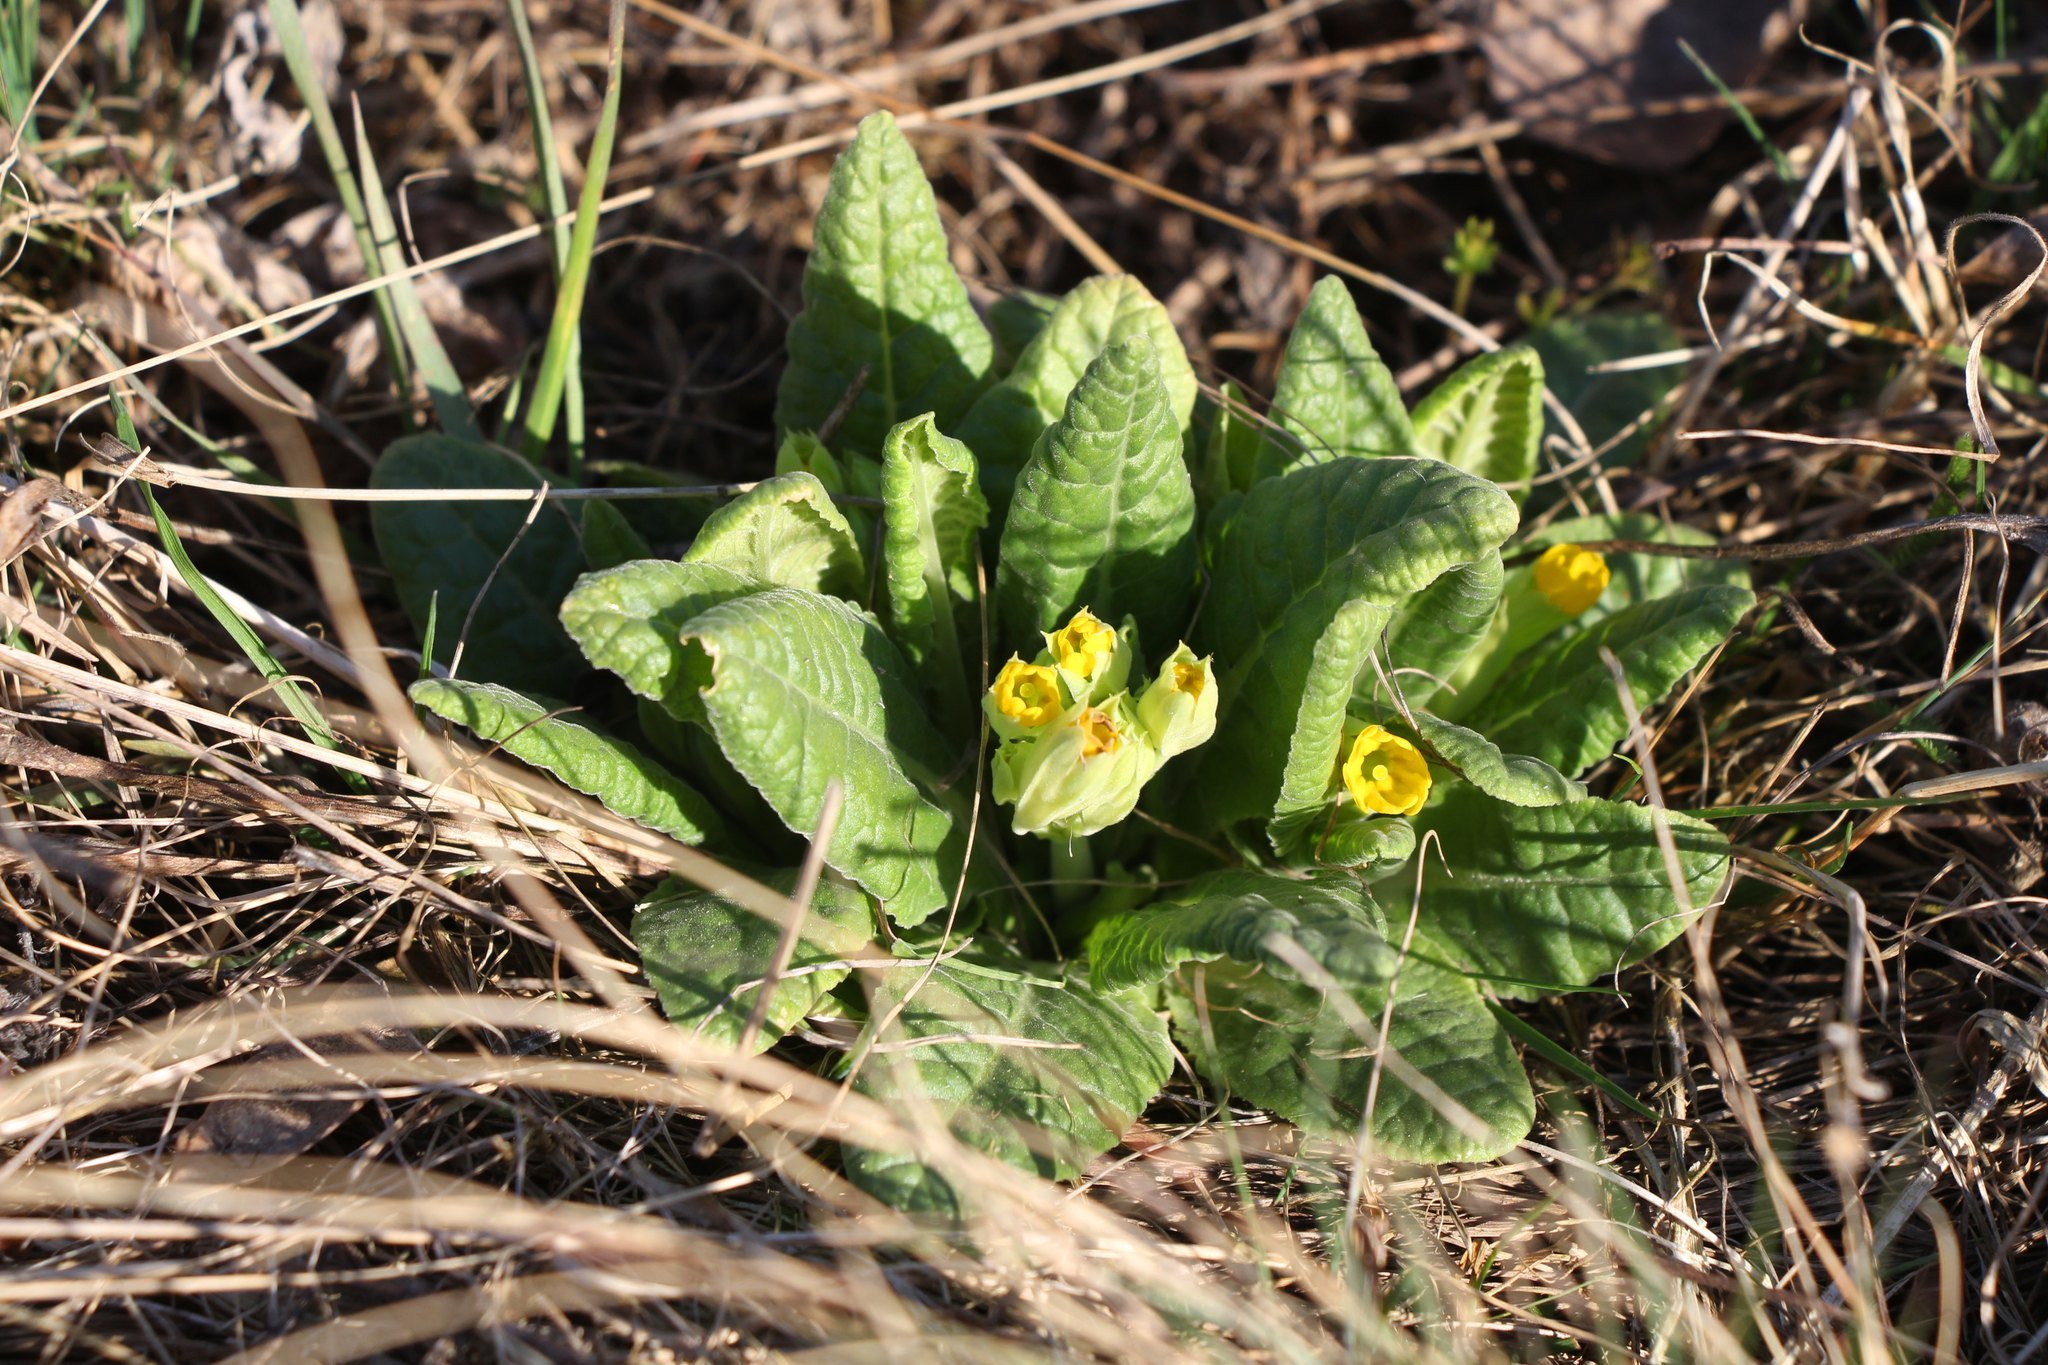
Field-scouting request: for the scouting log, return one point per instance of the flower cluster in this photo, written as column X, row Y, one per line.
column 1076, row 746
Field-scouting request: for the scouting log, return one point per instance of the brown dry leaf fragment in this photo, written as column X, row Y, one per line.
column 258, row 1132
column 20, row 513
column 1550, row 62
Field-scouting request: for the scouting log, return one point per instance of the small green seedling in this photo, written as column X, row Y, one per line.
column 1261, row 736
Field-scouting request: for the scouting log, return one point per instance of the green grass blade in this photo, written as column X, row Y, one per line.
column 444, row 386
column 284, row 17
column 554, row 361
column 289, row 692
column 556, row 194
column 1741, row 112
column 1550, row 1051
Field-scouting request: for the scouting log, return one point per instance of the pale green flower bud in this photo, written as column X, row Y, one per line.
column 1178, row 710
column 1092, row 657
column 1078, row 775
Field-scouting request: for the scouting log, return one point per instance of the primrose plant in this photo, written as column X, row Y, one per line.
column 1148, row 719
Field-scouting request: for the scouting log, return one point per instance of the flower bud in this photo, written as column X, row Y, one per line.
column 1093, row 657
column 1178, row 710
column 1025, row 698
column 1386, row 774
column 1079, row 775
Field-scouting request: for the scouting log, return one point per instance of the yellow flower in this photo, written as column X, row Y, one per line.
column 1571, row 577
column 1385, row 774
column 1083, row 645
column 1025, row 696
column 1098, row 732
column 1179, row 709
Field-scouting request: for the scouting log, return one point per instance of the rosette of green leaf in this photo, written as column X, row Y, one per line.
column 784, row 532
column 582, row 756
column 1315, row 563
column 800, row 690
column 1044, row 1076
column 1232, row 948
column 1104, row 512
column 933, row 510
column 454, row 549
column 1547, row 898
column 1487, row 418
column 880, row 295
column 708, row 957
column 1334, row 396
column 1006, row 422
column 1558, row 702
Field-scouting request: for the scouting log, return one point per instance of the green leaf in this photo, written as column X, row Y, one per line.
column 1334, row 396
column 932, row 512
column 1237, row 913
column 1639, row 578
column 1513, row 778
column 1104, row 512
column 1351, row 838
column 707, row 957
column 1282, row 1043
column 784, row 532
column 1605, row 403
column 1559, row 895
column 452, row 547
column 1488, row 417
column 1006, row 422
column 880, row 293
column 629, row 621
column 1559, row 704
column 1308, row 1056
column 1433, row 631
column 1043, row 1077
column 801, row 690
column 1015, row 318
column 609, row 540
column 1230, row 441
column 627, row 781
column 1326, row 551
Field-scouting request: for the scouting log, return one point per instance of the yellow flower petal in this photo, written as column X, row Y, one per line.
column 1028, row 694
column 1385, row 774
column 1083, row 644
column 1571, row 577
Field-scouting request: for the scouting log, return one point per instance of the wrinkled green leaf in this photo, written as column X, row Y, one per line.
column 1513, row 778
column 452, row 547
column 1558, row 702
column 1351, row 838
column 707, row 957
column 1558, row 896
column 1326, row 551
column 784, row 532
column 609, row 540
column 1335, row 397
column 801, row 690
column 1237, row 913
column 1229, row 437
column 1308, row 1056
column 666, row 524
column 1433, row 631
column 1104, row 512
column 629, row 621
column 1006, row 422
column 1041, row 1077
column 933, row 511
column 880, row 292
column 583, row 757
column 1488, row 418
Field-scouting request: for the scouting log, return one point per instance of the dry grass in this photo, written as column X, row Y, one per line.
column 318, row 1056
